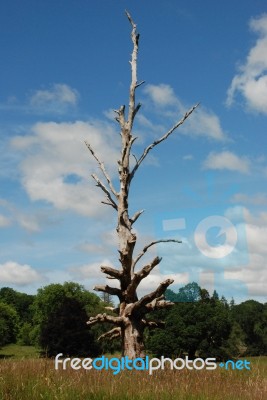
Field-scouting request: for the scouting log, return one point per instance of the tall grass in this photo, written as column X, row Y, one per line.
column 37, row 379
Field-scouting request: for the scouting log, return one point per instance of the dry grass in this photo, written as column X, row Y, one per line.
column 37, row 379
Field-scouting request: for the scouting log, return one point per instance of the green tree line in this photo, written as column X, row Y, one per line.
column 199, row 324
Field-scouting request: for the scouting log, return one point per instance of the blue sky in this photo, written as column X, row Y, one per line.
column 64, row 68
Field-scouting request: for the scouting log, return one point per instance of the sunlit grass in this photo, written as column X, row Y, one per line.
column 17, row 351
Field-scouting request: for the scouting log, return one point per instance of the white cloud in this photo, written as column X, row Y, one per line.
column 259, row 220
column 91, row 270
column 4, row 221
column 161, row 95
column 202, row 122
column 29, row 223
column 57, row 166
column 104, row 245
column 58, row 99
column 59, row 94
column 257, row 238
column 16, row 274
column 252, row 275
column 227, row 160
column 90, row 274
column 251, row 81
column 152, row 281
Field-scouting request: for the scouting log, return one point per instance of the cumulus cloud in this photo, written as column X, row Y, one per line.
column 29, row 223
column 161, row 95
column 104, row 244
column 54, row 99
column 16, row 274
column 202, row 122
column 56, row 167
column 251, row 80
column 154, row 279
column 252, row 274
column 91, row 270
column 260, row 219
column 58, row 99
column 91, row 275
column 227, row 160
column 257, row 238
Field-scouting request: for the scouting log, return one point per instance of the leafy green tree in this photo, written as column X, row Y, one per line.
column 187, row 294
column 204, row 296
column 236, row 344
column 171, row 296
column 215, row 295
column 60, row 316
column 65, row 331
column 25, row 335
column 252, row 318
column 21, row 302
column 199, row 327
column 8, row 324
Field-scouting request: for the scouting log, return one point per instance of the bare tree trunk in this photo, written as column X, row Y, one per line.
column 132, row 339
column 130, row 321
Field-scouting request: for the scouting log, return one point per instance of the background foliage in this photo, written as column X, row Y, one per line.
column 199, row 324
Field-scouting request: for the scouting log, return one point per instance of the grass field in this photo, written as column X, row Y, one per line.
column 17, row 352
column 32, row 378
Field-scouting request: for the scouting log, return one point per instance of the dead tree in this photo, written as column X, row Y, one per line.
column 131, row 318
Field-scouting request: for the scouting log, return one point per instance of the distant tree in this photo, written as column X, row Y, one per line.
column 215, row 295
column 232, row 303
column 189, row 293
column 197, row 328
column 60, row 315
column 26, row 334
column 251, row 316
column 65, row 331
column 236, row 343
column 224, row 301
column 170, row 295
column 21, row 302
column 107, row 299
column 8, row 324
column 204, row 295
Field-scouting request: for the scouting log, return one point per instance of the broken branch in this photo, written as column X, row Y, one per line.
column 107, row 289
column 102, row 167
column 114, row 273
column 115, row 332
column 153, row 295
column 104, row 318
column 105, row 190
column 136, row 216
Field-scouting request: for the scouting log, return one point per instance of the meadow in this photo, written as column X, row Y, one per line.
column 26, row 377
